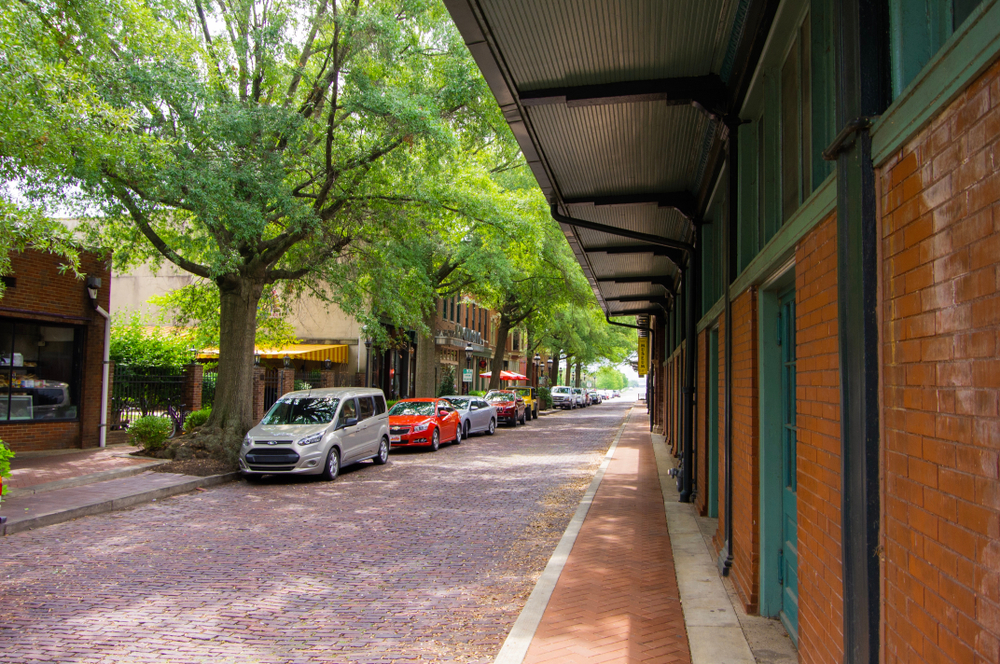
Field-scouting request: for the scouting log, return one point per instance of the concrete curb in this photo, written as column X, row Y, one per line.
column 86, row 479
column 114, row 504
column 715, row 635
column 515, row 646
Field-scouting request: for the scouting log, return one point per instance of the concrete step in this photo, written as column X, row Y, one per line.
column 83, row 480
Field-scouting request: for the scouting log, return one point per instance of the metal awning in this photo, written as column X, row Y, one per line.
column 620, row 109
column 336, row 353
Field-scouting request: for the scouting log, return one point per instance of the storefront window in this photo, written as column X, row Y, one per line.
column 39, row 371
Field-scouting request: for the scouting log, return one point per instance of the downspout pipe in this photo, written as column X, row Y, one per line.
column 93, row 284
column 688, row 275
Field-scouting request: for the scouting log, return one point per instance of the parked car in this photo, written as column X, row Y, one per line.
column 579, row 398
column 530, row 396
column 562, row 397
column 424, row 422
column 595, row 397
column 509, row 405
column 477, row 414
column 317, row 432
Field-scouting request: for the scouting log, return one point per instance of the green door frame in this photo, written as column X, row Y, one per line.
column 770, row 449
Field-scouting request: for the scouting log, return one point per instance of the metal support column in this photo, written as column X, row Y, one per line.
column 728, row 274
column 862, row 59
column 690, row 353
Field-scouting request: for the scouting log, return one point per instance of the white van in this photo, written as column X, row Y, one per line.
column 317, row 432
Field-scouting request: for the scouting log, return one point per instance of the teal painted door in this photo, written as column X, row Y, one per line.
column 788, row 561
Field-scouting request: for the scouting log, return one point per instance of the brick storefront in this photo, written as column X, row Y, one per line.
column 818, row 457
column 43, row 295
column 940, row 243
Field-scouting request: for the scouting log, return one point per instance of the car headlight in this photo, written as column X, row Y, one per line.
column 309, row 440
column 421, row 427
column 247, row 441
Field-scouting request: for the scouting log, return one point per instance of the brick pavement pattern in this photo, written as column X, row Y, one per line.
column 617, row 598
column 27, row 471
column 429, row 558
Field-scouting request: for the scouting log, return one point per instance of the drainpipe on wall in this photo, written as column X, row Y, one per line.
column 93, row 285
column 687, row 461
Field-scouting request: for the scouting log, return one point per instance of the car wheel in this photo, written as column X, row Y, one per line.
column 493, row 427
column 383, row 452
column 332, row 467
column 435, row 441
column 458, row 435
column 464, row 433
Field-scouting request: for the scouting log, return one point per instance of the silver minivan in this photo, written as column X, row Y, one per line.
column 317, row 432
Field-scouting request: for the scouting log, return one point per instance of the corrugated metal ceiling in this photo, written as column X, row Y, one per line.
column 647, row 218
column 581, row 42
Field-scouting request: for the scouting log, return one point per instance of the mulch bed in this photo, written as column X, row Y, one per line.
column 196, row 467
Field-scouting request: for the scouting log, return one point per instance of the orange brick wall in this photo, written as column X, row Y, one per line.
column 746, row 463
column 940, row 243
column 42, row 293
column 701, row 426
column 820, row 578
column 720, row 534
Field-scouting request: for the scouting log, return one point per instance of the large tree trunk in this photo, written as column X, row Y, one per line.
column 496, row 365
column 554, row 371
column 578, row 367
column 427, row 360
column 569, row 371
column 233, row 408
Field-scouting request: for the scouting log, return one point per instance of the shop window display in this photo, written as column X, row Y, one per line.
column 39, row 371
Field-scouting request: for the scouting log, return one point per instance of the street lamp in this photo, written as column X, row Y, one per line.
column 368, row 362
column 287, row 362
column 468, row 365
column 537, row 361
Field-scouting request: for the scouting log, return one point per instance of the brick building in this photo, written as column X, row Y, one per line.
column 799, row 202
column 51, row 353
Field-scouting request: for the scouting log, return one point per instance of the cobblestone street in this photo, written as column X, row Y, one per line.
column 429, row 558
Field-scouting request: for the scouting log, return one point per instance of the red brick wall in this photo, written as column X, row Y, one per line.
column 701, row 426
column 940, row 230
column 820, row 578
column 42, row 293
column 746, row 463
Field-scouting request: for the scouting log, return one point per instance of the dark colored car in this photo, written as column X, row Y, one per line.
column 509, row 404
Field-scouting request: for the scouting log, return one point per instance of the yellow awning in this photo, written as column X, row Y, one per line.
column 318, row 352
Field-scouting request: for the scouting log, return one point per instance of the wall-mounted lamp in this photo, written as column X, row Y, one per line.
column 327, row 364
column 256, row 359
column 93, row 285
column 287, row 361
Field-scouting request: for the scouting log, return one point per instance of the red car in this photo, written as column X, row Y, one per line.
column 424, row 423
column 509, row 405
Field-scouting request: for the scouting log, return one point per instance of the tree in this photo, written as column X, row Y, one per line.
column 254, row 142
column 609, row 378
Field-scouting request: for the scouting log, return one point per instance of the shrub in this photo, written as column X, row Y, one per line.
column 5, row 456
column 545, row 396
column 150, row 432
column 302, row 385
column 447, row 385
column 196, row 418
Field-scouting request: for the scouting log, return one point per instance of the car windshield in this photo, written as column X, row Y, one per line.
column 523, row 391
column 500, row 396
column 461, row 404
column 302, row 410
column 560, row 390
column 413, row 408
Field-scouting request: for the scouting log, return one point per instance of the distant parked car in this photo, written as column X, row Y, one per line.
column 579, row 398
column 424, row 422
column 530, row 396
column 317, row 432
column 595, row 397
column 509, row 405
column 477, row 414
column 562, row 397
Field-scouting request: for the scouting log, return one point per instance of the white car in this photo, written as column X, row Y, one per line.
column 317, row 432
column 478, row 415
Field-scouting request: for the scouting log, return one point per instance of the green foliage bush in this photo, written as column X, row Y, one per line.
column 5, row 456
column 302, row 385
column 545, row 396
column 137, row 345
column 196, row 418
column 150, row 432
column 447, row 385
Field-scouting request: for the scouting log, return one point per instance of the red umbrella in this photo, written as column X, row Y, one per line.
column 505, row 375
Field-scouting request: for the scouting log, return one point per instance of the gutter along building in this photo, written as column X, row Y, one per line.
column 799, row 204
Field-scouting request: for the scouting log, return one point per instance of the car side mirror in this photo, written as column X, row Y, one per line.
column 349, row 422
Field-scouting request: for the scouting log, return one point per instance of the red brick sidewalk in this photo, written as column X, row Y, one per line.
column 27, row 471
column 617, row 598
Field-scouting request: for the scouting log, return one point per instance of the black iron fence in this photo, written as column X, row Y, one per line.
column 272, row 389
column 208, row 380
column 140, row 391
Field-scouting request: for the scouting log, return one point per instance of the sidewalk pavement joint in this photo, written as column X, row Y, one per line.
column 515, row 647
column 714, row 632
